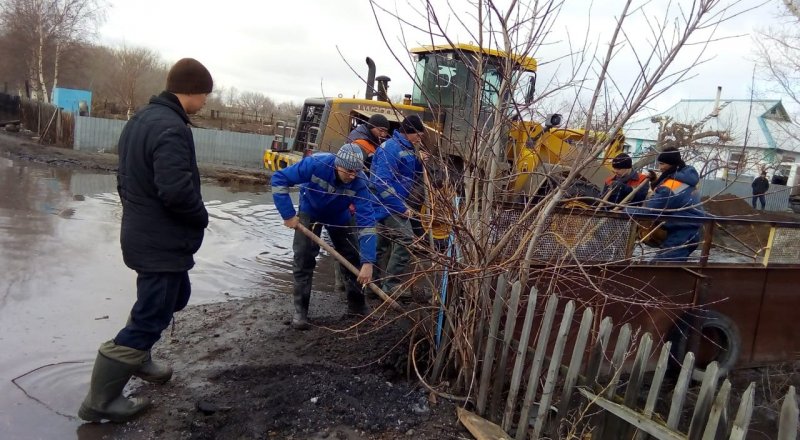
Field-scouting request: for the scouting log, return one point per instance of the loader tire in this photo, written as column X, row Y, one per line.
column 720, row 341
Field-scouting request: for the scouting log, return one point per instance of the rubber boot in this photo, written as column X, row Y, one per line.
column 338, row 280
column 300, row 320
column 105, row 400
column 154, row 372
column 356, row 304
column 300, row 316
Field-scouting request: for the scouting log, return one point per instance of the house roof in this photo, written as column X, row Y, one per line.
column 757, row 123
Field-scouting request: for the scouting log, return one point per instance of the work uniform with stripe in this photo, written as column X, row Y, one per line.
column 675, row 194
column 620, row 187
column 325, row 201
column 395, row 169
column 369, row 143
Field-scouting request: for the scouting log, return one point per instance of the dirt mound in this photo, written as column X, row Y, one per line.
column 242, row 372
column 300, row 400
column 729, row 205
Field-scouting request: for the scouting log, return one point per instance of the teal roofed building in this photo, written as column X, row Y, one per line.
column 762, row 136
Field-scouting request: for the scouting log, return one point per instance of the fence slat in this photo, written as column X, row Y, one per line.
column 575, row 364
column 519, row 363
column 508, row 335
column 717, row 410
column 679, row 392
column 637, row 372
column 607, row 427
column 704, row 399
column 620, row 349
column 742, row 421
column 598, row 353
column 653, row 428
column 538, row 358
column 788, row 425
column 636, row 377
column 488, row 356
column 655, row 385
column 552, row 372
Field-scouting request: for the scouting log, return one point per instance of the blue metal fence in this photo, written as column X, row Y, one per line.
column 777, row 196
column 213, row 146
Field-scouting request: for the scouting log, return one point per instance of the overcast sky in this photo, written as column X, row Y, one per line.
column 290, row 50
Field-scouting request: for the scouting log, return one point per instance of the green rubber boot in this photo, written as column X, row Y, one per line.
column 153, row 371
column 105, row 400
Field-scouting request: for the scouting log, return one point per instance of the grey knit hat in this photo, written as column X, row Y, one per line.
column 350, row 157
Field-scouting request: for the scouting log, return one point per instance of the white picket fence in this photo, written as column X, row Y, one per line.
column 544, row 389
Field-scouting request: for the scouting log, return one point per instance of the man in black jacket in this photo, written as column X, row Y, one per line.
column 163, row 219
column 760, row 187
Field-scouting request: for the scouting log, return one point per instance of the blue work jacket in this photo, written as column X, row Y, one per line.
column 326, row 199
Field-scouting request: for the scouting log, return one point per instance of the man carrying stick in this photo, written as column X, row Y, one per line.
column 329, row 184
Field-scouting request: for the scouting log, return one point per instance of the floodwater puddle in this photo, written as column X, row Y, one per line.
column 64, row 288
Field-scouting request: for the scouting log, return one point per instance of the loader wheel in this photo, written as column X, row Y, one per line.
column 720, row 341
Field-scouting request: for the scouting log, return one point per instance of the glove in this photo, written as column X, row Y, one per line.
column 651, row 175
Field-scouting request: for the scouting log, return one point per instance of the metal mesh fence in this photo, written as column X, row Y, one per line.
column 589, row 237
column 785, row 246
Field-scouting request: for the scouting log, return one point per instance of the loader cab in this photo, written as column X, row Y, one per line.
column 448, row 79
column 309, row 123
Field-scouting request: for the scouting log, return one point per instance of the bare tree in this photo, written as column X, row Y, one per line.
column 778, row 52
column 231, row 96
column 256, row 102
column 131, row 64
column 43, row 29
column 610, row 81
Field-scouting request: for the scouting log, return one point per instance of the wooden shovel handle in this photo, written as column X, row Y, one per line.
column 378, row 291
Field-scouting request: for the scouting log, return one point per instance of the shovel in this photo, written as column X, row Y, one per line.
column 343, row 261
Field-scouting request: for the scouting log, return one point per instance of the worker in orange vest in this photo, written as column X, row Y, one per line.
column 674, row 193
column 369, row 136
column 624, row 181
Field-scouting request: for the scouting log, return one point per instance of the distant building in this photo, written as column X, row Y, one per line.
column 72, row 100
column 762, row 137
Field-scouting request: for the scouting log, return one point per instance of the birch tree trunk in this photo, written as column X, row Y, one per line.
column 40, row 62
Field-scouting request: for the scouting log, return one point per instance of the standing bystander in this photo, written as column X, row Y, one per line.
column 163, row 221
column 760, row 187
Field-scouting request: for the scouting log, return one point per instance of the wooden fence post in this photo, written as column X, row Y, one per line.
column 787, row 429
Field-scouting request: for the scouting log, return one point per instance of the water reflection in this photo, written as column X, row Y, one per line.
column 64, row 288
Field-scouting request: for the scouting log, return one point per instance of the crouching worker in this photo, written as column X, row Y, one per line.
column 163, row 220
column 328, row 185
column 619, row 186
column 675, row 194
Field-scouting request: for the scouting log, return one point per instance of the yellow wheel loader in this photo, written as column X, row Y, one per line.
column 449, row 81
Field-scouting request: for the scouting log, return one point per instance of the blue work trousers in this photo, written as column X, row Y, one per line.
column 158, row 296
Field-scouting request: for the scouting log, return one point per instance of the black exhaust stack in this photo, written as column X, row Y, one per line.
column 370, row 79
column 383, row 88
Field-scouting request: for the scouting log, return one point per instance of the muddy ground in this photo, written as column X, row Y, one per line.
column 242, row 373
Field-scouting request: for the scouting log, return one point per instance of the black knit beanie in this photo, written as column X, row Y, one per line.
column 412, row 124
column 378, row 121
column 622, row 162
column 671, row 156
column 189, row 77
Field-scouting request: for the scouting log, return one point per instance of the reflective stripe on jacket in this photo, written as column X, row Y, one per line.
column 395, row 168
column 326, row 199
column 676, row 195
column 630, row 182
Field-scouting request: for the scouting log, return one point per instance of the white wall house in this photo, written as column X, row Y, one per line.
column 762, row 137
